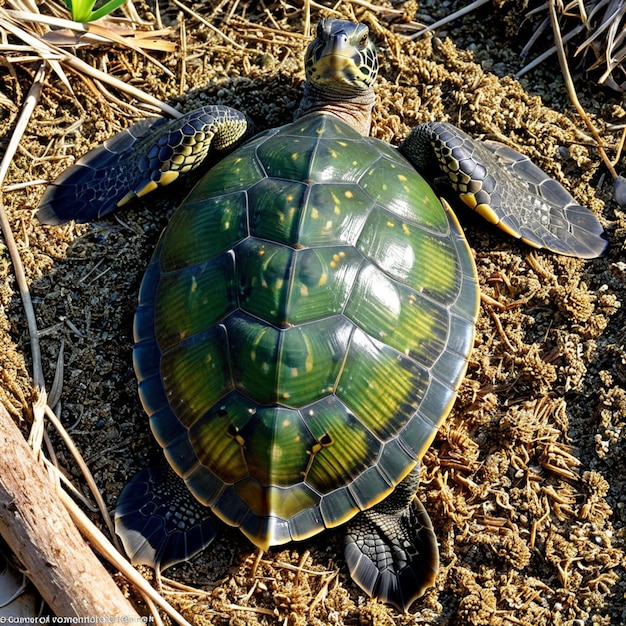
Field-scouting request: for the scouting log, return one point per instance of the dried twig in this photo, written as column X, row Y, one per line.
column 31, row 100
column 571, row 90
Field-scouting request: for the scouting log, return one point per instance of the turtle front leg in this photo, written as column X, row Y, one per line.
column 507, row 189
column 391, row 549
column 138, row 160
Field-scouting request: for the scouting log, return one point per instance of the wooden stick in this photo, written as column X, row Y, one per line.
column 42, row 535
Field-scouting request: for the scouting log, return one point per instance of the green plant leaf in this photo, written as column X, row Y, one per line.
column 105, row 9
column 82, row 10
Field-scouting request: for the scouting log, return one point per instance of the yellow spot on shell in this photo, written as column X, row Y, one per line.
column 314, row 213
column 294, row 156
column 405, row 230
column 402, row 178
column 348, row 194
column 390, row 224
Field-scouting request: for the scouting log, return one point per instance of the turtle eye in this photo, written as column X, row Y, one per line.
column 364, row 38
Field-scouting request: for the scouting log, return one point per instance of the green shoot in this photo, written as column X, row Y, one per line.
column 82, row 10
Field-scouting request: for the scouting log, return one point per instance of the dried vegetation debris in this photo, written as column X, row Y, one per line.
column 593, row 30
column 526, row 480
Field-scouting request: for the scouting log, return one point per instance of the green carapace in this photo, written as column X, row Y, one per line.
column 307, row 316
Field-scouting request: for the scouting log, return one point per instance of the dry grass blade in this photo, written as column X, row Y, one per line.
column 609, row 23
column 24, row 5
column 449, row 18
column 56, row 57
column 101, row 32
column 36, row 44
column 548, row 53
column 31, row 100
column 604, row 28
column 572, row 91
column 208, row 24
column 91, row 483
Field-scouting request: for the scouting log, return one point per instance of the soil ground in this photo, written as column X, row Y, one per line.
column 526, row 481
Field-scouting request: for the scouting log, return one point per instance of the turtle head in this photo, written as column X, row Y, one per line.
column 342, row 57
column 341, row 66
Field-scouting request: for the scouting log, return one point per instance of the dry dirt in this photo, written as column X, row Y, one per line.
column 525, row 482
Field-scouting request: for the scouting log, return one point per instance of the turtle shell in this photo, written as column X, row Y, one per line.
column 303, row 328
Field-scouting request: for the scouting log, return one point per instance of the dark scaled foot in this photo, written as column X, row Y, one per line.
column 159, row 521
column 507, row 189
column 391, row 550
column 95, row 184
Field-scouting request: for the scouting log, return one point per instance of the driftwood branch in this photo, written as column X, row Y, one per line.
column 38, row 529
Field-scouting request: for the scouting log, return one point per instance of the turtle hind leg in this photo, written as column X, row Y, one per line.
column 391, row 549
column 159, row 522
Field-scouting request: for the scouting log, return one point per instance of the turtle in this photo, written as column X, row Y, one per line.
column 306, row 319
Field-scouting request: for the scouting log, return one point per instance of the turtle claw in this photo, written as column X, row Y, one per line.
column 392, row 554
column 159, row 522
